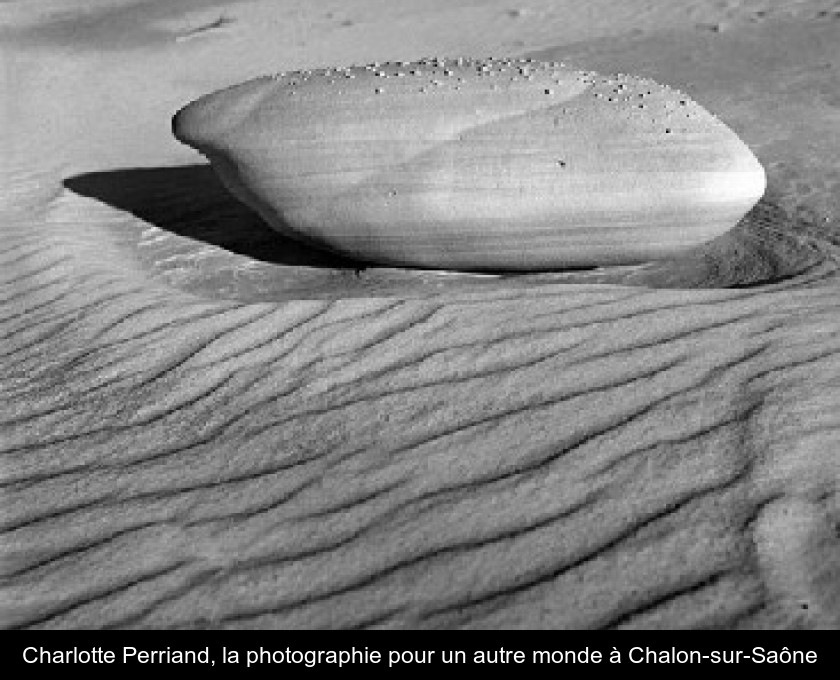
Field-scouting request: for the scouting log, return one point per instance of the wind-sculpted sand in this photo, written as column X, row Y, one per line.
column 205, row 425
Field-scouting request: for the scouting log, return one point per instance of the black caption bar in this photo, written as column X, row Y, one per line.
column 393, row 652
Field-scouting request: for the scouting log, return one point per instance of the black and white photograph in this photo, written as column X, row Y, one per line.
column 419, row 315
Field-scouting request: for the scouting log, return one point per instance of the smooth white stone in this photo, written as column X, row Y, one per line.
column 477, row 164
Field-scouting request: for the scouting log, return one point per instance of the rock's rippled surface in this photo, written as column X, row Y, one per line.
column 493, row 164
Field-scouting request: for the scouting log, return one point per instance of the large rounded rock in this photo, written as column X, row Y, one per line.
column 499, row 164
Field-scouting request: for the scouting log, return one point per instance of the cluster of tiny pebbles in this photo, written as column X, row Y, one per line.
column 647, row 102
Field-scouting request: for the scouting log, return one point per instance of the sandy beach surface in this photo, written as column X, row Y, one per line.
column 203, row 424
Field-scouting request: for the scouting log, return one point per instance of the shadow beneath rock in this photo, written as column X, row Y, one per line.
column 191, row 201
column 769, row 245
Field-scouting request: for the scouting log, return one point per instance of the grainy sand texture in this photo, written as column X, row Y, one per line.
column 206, row 424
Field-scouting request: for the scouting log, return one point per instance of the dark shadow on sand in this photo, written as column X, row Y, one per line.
column 191, row 201
column 769, row 245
